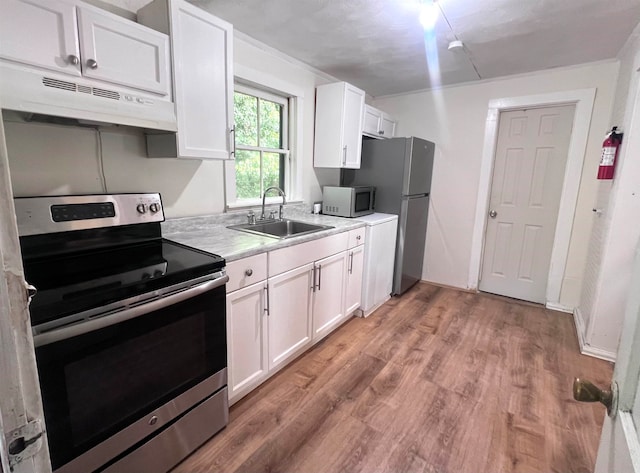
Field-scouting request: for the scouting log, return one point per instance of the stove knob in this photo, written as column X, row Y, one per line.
column 141, row 208
column 154, row 207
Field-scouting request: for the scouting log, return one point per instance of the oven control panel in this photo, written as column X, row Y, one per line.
column 38, row 215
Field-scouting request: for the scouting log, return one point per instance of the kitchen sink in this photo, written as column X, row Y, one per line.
column 280, row 228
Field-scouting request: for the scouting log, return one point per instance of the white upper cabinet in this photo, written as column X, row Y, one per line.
column 338, row 139
column 42, row 34
column 371, row 121
column 202, row 59
column 387, row 126
column 123, row 52
column 377, row 124
column 80, row 40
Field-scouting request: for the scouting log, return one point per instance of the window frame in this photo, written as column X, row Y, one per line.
column 291, row 117
column 284, row 152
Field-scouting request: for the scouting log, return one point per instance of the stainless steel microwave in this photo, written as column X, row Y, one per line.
column 348, row 201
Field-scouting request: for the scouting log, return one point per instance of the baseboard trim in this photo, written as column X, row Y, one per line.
column 599, row 353
column 447, row 286
column 361, row 313
column 578, row 321
column 585, row 348
column 559, row 307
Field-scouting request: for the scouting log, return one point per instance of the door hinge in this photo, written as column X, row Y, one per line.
column 24, row 442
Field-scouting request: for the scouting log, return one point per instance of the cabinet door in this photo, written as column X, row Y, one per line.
column 40, row 33
column 289, row 305
column 352, row 126
column 203, row 82
column 123, row 52
column 355, row 266
column 328, row 297
column 387, row 126
column 246, row 339
column 371, row 121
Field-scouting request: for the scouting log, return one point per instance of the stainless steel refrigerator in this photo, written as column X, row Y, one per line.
column 400, row 169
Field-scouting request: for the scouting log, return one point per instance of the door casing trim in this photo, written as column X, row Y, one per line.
column 583, row 99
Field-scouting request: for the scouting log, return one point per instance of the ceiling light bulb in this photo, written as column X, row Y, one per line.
column 455, row 45
column 428, row 15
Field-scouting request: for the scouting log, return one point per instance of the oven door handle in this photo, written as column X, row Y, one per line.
column 83, row 327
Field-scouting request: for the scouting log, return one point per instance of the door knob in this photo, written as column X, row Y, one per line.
column 92, row 63
column 586, row 391
column 493, row 214
column 73, row 59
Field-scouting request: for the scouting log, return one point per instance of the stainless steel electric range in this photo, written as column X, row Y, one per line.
column 129, row 330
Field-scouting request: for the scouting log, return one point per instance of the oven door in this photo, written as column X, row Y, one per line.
column 107, row 389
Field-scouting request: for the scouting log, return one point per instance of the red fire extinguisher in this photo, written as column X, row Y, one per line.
column 610, row 148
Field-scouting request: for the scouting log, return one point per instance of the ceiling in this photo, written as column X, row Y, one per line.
column 381, row 47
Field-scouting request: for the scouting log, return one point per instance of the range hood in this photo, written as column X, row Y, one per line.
column 32, row 90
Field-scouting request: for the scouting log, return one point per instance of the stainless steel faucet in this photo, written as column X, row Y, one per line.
column 284, row 200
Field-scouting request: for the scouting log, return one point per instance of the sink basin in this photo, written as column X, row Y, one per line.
column 280, row 228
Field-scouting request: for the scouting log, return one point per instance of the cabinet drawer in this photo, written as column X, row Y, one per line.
column 356, row 237
column 246, row 271
column 291, row 257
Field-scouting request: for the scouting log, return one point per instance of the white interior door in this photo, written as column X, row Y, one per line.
column 619, row 450
column 531, row 156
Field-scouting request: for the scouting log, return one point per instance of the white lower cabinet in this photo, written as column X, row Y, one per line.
column 246, row 339
column 353, row 293
column 328, row 294
column 274, row 316
column 289, row 312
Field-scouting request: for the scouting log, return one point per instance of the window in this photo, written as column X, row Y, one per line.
column 261, row 142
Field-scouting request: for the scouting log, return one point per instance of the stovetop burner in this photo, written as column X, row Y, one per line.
column 75, row 283
column 86, row 252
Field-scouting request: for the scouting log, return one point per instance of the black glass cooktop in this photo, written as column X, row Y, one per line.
column 75, row 282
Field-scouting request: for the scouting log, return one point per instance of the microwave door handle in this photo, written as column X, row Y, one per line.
column 81, row 328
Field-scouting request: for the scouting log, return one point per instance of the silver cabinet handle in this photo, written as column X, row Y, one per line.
column 493, row 214
column 313, row 279
column 92, row 64
column 381, row 132
column 351, row 262
column 267, row 309
column 73, row 59
column 344, row 155
column 319, row 276
column 248, row 272
column 232, row 139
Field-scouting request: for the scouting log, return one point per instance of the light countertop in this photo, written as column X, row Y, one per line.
column 210, row 233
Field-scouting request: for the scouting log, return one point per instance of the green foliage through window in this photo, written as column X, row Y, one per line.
column 259, row 135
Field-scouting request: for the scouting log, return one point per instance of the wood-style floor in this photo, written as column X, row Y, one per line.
column 437, row 380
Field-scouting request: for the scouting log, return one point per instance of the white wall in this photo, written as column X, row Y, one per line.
column 617, row 229
column 53, row 159
column 454, row 118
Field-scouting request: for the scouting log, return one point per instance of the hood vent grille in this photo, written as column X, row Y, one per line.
column 59, row 84
column 107, row 94
column 73, row 87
